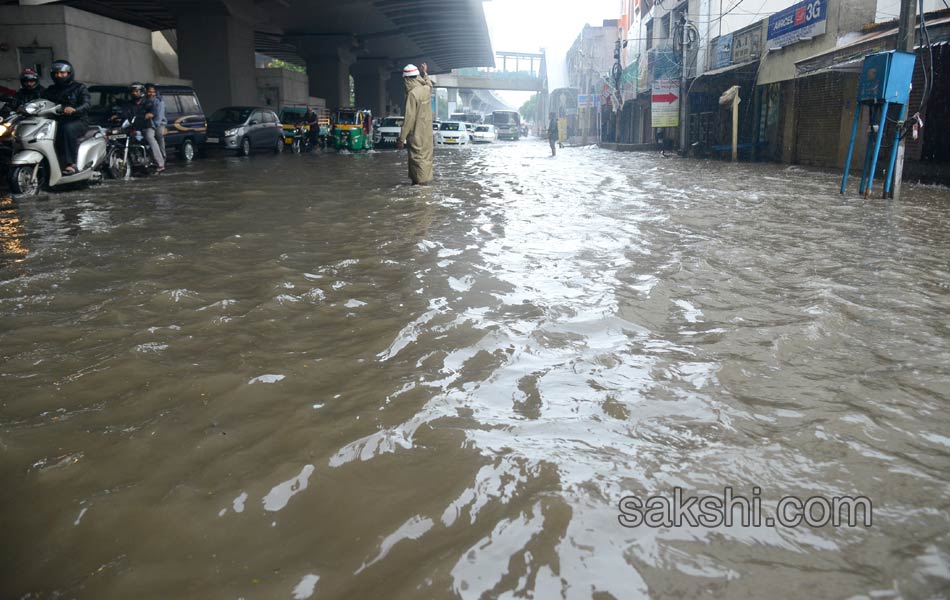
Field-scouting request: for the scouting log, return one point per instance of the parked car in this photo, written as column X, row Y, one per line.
column 245, row 128
column 387, row 132
column 452, row 132
column 187, row 126
column 483, row 134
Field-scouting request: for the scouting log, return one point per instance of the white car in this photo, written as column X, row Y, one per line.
column 387, row 132
column 484, row 134
column 452, row 132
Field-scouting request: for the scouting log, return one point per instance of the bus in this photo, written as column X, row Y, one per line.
column 507, row 124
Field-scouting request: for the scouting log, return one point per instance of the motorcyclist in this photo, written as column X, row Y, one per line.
column 310, row 118
column 75, row 100
column 140, row 113
column 30, row 90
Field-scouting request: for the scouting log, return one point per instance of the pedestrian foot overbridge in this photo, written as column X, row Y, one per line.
column 216, row 41
column 513, row 71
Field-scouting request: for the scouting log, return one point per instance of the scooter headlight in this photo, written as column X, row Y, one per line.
column 4, row 128
column 44, row 131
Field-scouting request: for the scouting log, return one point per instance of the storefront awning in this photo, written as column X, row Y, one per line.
column 726, row 69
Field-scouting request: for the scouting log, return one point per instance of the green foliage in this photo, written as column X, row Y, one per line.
column 529, row 110
column 276, row 63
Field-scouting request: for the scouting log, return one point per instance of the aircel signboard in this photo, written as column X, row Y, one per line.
column 803, row 20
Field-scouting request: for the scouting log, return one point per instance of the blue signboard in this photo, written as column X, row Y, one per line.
column 722, row 53
column 803, row 20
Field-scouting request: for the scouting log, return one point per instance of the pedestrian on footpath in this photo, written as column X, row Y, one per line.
column 552, row 133
column 416, row 132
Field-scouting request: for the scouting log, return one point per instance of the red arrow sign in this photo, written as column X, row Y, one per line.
column 664, row 97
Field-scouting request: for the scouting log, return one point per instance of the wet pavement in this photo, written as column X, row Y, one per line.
column 297, row 376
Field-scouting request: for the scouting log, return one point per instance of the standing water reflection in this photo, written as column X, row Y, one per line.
column 254, row 379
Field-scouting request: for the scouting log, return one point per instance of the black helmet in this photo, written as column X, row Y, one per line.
column 62, row 66
column 28, row 75
column 137, row 86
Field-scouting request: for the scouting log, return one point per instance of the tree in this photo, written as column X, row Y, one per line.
column 529, row 110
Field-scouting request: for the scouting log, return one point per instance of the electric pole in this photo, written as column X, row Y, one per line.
column 905, row 43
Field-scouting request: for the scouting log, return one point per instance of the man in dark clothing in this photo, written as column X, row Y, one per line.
column 141, row 112
column 75, row 100
column 30, row 90
column 553, row 133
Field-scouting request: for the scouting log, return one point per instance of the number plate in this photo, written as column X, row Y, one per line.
column 213, row 140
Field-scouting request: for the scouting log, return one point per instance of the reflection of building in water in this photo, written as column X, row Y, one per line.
column 13, row 248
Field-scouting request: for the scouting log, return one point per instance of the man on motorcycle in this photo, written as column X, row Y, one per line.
column 140, row 113
column 75, row 100
column 30, row 90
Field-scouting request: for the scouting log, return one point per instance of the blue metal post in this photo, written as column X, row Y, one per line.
column 854, row 135
column 890, row 167
column 877, row 149
column 868, row 148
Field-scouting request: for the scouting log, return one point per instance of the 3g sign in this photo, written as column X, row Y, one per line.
column 803, row 20
column 808, row 13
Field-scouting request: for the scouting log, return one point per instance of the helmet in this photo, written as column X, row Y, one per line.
column 29, row 75
column 137, row 86
column 62, row 66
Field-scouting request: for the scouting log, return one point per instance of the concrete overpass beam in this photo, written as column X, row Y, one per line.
column 330, row 76
column 216, row 51
column 370, row 78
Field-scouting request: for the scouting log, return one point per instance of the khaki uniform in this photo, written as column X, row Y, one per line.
column 417, row 128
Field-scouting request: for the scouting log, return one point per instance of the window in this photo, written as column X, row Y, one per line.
column 172, row 104
column 189, row 104
column 649, row 34
column 269, row 117
column 665, row 27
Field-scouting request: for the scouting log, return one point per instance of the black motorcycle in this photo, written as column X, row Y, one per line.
column 128, row 153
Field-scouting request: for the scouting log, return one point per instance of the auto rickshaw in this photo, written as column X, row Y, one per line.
column 352, row 129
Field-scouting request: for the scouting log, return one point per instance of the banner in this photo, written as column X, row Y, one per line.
column 803, row 20
column 665, row 104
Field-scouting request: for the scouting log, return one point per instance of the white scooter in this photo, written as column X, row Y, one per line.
column 35, row 165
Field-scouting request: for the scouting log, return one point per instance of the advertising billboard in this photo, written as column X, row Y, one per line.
column 801, row 21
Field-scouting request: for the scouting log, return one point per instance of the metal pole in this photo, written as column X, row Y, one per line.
column 735, row 127
column 905, row 42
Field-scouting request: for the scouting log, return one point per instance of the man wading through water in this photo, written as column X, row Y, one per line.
column 417, row 127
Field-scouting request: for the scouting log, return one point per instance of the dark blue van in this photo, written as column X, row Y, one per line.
column 187, row 126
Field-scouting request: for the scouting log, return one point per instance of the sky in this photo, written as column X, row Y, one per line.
column 529, row 25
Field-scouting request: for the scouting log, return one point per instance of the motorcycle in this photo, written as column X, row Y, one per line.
column 36, row 165
column 7, row 127
column 128, row 152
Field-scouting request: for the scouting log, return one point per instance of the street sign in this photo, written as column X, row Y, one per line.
column 588, row 100
column 665, row 105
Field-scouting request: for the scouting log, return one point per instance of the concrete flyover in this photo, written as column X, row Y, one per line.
column 334, row 39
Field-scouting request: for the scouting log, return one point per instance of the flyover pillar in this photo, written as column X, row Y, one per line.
column 329, row 76
column 453, row 100
column 396, row 91
column 216, row 51
column 370, row 78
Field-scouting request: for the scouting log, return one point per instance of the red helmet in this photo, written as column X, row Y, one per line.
column 29, row 75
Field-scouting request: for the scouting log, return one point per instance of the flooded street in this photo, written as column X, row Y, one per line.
column 298, row 376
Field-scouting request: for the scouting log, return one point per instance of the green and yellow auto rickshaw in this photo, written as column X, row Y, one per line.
column 352, row 129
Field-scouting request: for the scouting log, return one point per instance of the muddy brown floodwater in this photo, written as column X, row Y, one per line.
column 298, row 377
